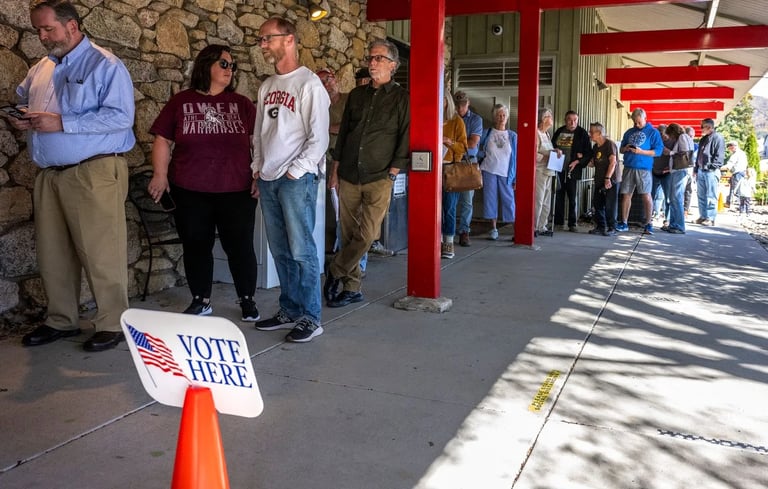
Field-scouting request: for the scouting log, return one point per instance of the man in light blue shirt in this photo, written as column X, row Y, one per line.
column 474, row 126
column 79, row 120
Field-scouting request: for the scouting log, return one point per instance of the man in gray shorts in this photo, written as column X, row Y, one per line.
column 639, row 145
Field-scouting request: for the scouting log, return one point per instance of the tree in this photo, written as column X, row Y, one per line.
column 738, row 125
column 753, row 157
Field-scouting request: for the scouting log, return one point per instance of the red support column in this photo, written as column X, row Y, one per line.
column 425, row 188
column 528, row 102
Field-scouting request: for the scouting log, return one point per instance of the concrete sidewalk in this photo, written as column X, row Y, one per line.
column 593, row 362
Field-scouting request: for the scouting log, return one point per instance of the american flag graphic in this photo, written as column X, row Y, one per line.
column 155, row 352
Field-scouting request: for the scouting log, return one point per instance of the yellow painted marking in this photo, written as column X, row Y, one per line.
column 543, row 394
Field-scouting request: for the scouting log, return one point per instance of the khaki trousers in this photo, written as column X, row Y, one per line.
column 362, row 208
column 80, row 224
column 543, row 198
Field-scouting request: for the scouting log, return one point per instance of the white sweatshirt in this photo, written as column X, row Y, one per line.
column 291, row 130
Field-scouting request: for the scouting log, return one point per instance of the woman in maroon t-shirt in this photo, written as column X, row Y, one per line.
column 202, row 156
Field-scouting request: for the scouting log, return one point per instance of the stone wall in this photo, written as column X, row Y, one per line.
column 157, row 40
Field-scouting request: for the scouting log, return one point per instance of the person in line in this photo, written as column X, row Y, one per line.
column 605, row 162
column 682, row 152
column 202, row 156
column 640, row 144
column 573, row 140
column 289, row 144
column 746, row 190
column 543, row 194
column 79, row 122
column 691, row 132
column 370, row 152
column 660, row 180
column 336, row 111
column 498, row 150
column 362, row 77
column 707, row 170
column 737, row 165
column 474, row 125
column 454, row 148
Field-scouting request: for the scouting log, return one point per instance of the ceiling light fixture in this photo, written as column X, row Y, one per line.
column 600, row 85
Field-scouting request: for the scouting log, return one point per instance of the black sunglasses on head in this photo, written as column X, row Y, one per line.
column 227, row 64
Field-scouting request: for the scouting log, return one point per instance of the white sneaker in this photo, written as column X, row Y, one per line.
column 493, row 234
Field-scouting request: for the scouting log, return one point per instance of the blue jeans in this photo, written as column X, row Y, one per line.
column 660, row 195
column 677, row 180
column 289, row 217
column 465, row 210
column 449, row 213
column 706, row 188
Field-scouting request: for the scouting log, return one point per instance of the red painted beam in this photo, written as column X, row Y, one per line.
column 424, row 201
column 680, row 115
column 380, row 10
column 677, row 74
column 678, row 106
column 527, row 108
column 695, row 123
column 675, row 40
column 698, row 93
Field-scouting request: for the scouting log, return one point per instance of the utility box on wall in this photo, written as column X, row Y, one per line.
column 267, row 273
column 394, row 228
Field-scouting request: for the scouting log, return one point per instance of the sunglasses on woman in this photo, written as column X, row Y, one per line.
column 228, row 64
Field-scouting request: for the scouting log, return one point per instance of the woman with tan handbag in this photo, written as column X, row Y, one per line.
column 454, row 148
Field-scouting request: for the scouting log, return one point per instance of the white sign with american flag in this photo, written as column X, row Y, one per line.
column 173, row 351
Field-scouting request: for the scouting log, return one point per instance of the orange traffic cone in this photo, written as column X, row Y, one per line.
column 720, row 203
column 200, row 460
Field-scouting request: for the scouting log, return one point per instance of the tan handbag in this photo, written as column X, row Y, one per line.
column 462, row 176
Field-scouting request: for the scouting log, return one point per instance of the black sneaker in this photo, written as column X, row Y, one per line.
column 304, row 331
column 199, row 308
column 346, row 298
column 250, row 313
column 331, row 285
column 279, row 321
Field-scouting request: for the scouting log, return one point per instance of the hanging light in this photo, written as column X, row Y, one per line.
column 318, row 10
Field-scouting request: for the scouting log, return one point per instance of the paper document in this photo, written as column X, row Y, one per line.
column 555, row 162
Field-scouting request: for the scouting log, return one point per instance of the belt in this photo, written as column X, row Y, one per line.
column 92, row 158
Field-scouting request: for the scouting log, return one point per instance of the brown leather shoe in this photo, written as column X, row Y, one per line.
column 45, row 334
column 464, row 239
column 103, row 340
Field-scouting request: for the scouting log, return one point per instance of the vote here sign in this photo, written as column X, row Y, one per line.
column 173, row 351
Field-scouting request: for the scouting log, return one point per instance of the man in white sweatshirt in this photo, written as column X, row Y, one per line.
column 290, row 139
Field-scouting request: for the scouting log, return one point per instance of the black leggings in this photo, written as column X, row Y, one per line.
column 198, row 216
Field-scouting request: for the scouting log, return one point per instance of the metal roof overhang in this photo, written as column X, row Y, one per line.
column 745, row 19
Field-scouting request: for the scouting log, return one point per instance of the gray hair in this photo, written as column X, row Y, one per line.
column 598, row 127
column 639, row 112
column 394, row 53
column 499, row 107
column 543, row 111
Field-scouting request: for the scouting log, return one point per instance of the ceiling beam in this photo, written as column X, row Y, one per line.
column 680, row 115
column 675, row 40
column 677, row 74
column 678, row 106
column 379, row 10
column 698, row 93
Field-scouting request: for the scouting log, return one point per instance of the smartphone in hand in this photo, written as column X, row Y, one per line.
column 14, row 111
column 166, row 202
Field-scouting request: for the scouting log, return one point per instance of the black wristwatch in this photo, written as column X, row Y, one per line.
column 392, row 177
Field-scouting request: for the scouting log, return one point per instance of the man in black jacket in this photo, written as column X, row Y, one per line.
column 573, row 141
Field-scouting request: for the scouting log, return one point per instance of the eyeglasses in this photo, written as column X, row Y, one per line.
column 377, row 58
column 268, row 37
column 224, row 64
